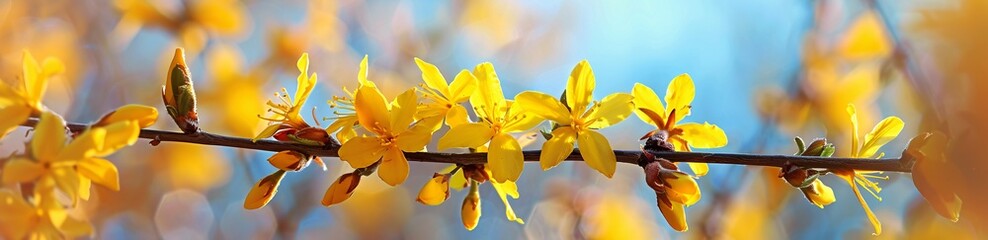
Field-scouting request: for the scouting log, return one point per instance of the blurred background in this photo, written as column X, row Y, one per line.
column 765, row 71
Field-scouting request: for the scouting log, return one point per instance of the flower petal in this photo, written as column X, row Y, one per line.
column 504, row 157
column 394, row 167
column 267, row 132
column 463, row 86
column 101, row 171
column 699, row 169
column 18, row 170
column 457, row 115
column 35, row 82
column 679, row 96
column 144, row 115
column 488, row 97
column 49, row 137
column 819, row 194
column 372, row 109
column 704, row 135
column 403, row 110
column 645, row 98
column 288, row 160
column 683, row 185
column 305, row 83
column 415, row 139
column 518, row 120
column 470, row 135
column 118, row 135
column 13, row 116
column 432, row 77
column 854, row 130
column 361, row 152
column 883, row 133
column 612, row 109
column 579, row 87
column 675, row 214
column 544, row 106
column 504, row 190
column 597, row 152
column 556, row 149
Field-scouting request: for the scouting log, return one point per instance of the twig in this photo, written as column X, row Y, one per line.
column 624, row 156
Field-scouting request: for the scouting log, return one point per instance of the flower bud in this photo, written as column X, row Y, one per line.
column 819, row 194
column 179, row 95
column 289, row 160
column 341, row 189
column 144, row 115
column 263, row 191
column 680, row 187
column 470, row 211
column 933, row 176
column 435, row 191
column 313, row 136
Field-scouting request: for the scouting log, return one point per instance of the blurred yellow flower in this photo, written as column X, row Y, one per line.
column 233, row 83
column 74, row 165
column 18, row 103
column 346, row 115
column 684, row 137
column 192, row 24
column 43, row 218
column 446, row 98
column 884, row 132
column 498, row 118
column 933, row 176
column 393, row 130
column 579, row 117
column 286, row 115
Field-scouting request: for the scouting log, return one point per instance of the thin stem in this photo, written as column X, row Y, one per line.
column 624, row 156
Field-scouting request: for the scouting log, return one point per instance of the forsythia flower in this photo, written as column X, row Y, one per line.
column 884, row 132
column 579, row 117
column 42, row 218
column 73, row 165
column 287, row 113
column 17, row 104
column 933, row 176
column 446, row 97
column 675, row 190
column 346, row 116
column 498, row 118
column 393, row 130
column 683, row 137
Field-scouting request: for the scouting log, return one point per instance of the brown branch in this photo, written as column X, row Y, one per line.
column 624, row 156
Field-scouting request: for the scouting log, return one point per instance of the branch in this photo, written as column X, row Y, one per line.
column 624, row 156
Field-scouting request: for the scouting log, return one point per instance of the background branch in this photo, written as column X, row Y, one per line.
column 624, row 156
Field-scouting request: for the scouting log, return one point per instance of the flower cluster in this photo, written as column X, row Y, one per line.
column 58, row 167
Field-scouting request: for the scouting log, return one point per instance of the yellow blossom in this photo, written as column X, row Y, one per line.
column 446, row 97
column 579, row 117
column 393, row 132
column 498, row 118
column 143, row 114
column 42, row 218
column 684, row 137
column 287, row 114
column 435, row 191
column 74, row 165
column 18, row 103
column 819, row 194
column 674, row 191
column 346, row 116
column 884, row 132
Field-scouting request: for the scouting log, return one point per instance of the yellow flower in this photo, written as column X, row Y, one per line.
column 43, row 218
column 446, row 97
column 287, row 114
column 436, row 191
column 346, row 116
column 74, row 165
column 674, row 191
column 17, row 104
column 884, row 132
column 498, row 118
column 686, row 136
column 578, row 120
column 393, row 130
column 933, row 176
column 192, row 25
